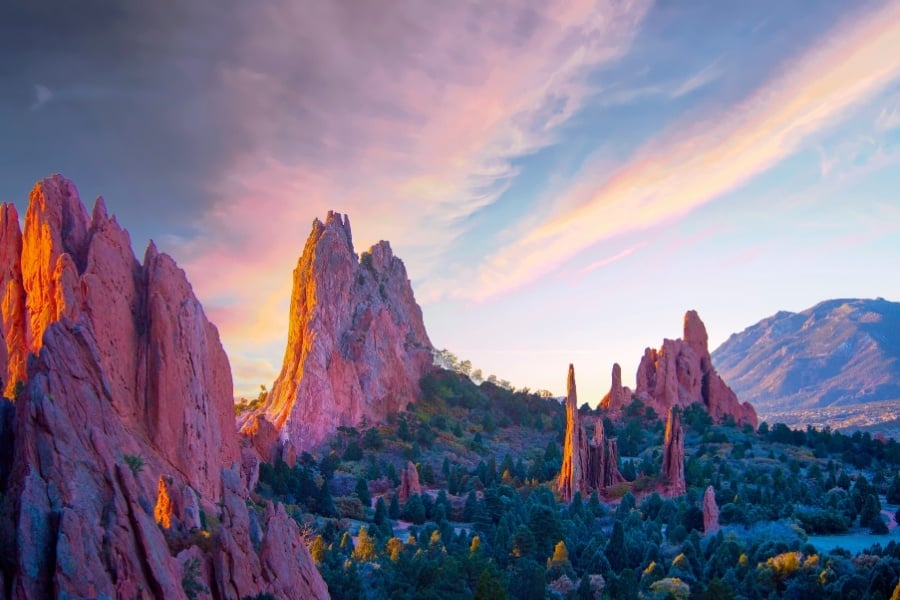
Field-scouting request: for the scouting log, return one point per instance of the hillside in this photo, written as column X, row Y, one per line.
column 837, row 355
column 458, row 497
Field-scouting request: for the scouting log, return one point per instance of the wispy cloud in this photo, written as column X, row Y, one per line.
column 889, row 117
column 604, row 262
column 700, row 161
column 408, row 120
column 42, row 96
column 697, row 81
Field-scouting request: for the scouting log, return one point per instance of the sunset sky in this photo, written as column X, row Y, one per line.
column 562, row 179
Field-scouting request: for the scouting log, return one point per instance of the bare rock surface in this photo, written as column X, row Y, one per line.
column 123, row 418
column 710, row 511
column 357, row 345
column 680, row 373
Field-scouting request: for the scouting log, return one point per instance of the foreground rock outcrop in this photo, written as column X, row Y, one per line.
column 357, row 345
column 122, row 441
column 588, row 465
column 680, row 373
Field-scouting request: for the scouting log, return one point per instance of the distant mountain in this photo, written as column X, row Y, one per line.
column 835, row 355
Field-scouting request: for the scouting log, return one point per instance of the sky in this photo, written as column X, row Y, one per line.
column 563, row 179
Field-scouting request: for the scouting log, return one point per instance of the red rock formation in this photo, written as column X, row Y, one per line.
column 126, row 405
column 710, row 511
column 618, row 396
column 357, row 345
column 587, row 465
column 672, row 473
column 574, row 466
column 409, row 483
column 680, row 373
column 610, row 475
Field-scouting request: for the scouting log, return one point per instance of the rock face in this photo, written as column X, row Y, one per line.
column 588, row 465
column 124, row 413
column 672, row 472
column 357, row 345
column 710, row 511
column 680, row 373
column 409, row 483
column 618, row 396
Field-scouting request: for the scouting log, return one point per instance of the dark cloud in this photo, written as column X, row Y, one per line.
column 149, row 103
column 121, row 97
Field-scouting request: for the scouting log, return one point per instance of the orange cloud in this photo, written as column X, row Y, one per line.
column 699, row 162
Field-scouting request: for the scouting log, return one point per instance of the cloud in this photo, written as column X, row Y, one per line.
column 889, row 117
column 408, row 119
column 42, row 95
column 603, row 262
column 699, row 161
column 697, row 81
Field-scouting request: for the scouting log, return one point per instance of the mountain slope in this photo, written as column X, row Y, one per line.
column 838, row 353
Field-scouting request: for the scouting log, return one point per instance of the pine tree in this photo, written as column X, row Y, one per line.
column 362, row 492
column 615, row 548
column 394, row 509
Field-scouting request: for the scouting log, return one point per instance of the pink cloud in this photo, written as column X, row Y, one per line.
column 700, row 161
column 406, row 119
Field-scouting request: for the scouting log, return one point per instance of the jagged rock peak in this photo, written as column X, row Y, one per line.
column 695, row 330
column 680, row 373
column 125, row 403
column 357, row 345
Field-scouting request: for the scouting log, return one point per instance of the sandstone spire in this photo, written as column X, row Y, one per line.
column 680, row 373
column 614, row 401
column 710, row 511
column 574, row 468
column 672, row 472
column 357, row 345
column 409, row 482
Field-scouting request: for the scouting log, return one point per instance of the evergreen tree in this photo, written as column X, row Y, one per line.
column 414, row 510
column 488, row 588
column 362, row 492
column 615, row 548
column 394, row 509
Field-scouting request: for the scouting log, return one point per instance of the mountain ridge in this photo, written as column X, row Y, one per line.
column 839, row 352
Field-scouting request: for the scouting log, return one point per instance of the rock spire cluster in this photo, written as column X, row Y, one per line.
column 588, row 465
column 357, row 345
column 122, row 428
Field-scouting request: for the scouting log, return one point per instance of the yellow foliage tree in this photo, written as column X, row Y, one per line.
column 365, row 547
